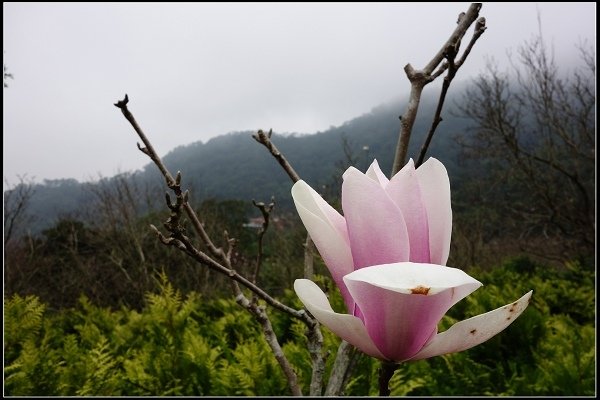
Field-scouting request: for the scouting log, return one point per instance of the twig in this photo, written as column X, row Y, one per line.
column 181, row 241
column 261, row 315
column 148, row 150
column 420, row 78
column 309, row 248
column 172, row 183
column 266, row 212
column 265, row 140
column 452, row 68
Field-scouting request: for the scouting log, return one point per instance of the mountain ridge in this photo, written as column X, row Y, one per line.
column 235, row 166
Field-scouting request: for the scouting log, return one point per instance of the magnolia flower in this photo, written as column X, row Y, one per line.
column 387, row 255
column 407, row 218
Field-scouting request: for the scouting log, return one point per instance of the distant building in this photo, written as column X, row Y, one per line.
column 256, row 223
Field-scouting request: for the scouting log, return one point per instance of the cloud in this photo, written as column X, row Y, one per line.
column 196, row 70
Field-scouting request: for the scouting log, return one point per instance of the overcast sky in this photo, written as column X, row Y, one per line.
column 197, row 70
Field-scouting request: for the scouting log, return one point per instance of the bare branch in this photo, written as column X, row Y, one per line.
column 420, row 78
column 266, row 213
column 464, row 23
column 315, row 345
column 265, row 140
column 148, row 150
column 184, row 243
column 261, row 315
column 342, row 366
column 536, row 127
column 453, row 67
column 309, row 249
column 172, row 183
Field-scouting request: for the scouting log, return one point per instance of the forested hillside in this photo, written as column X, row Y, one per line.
column 234, row 166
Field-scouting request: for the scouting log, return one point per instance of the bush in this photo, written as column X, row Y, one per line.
column 191, row 346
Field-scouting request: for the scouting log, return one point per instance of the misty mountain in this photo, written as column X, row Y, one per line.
column 235, row 166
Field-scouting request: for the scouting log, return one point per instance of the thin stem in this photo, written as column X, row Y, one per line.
column 266, row 213
column 184, row 244
column 261, row 315
column 464, row 22
column 452, row 68
column 265, row 140
column 386, row 371
column 172, row 183
column 309, row 248
column 149, row 149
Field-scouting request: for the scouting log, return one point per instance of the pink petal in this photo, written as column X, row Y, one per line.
column 374, row 172
column 435, row 192
column 473, row 331
column 329, row 235
column 405, row 192
column 376, row 228
column 348, row 327
column 402, row 303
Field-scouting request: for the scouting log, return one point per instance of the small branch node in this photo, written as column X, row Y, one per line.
column 122, row 103
column 143, row 149
column 480, row 25
column 170, row 204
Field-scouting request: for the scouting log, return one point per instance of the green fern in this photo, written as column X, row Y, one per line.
column 403, row 384
column 103, row 376
column 23, row 317
column 566, row 359
column 187, row 346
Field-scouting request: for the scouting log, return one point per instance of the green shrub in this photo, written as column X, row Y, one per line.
column 189, row 346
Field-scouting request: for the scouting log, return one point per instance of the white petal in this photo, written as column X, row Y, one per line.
column 332, row 244
column 374, row 172
column 435, row 190
column 402, row 303
column 473, row 331
column 308, row 198
column 406, row 277
column 346, row 326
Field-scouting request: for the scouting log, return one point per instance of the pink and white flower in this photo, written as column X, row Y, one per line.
column 387, row 255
